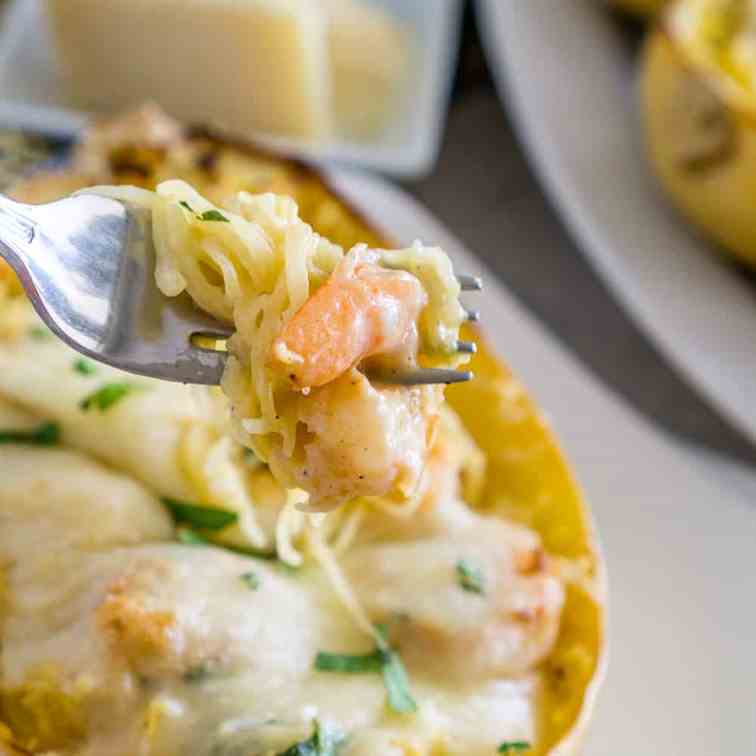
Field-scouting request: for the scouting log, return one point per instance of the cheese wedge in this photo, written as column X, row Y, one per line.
column 370, row 60
column 245, row 65
column 308, row 69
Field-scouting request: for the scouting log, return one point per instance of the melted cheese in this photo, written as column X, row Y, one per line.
column 164, row 646
column 141, row 434
column 117, row 641
column 503, row 629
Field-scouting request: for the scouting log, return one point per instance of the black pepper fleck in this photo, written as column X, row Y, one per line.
column 208, row 161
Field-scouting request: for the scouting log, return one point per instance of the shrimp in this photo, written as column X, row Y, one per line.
column 504, row 626
column 362, row 311
column 361, row 440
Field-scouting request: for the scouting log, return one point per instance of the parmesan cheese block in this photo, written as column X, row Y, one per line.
column 247, row 65
column 300, row 68
column 370, row 56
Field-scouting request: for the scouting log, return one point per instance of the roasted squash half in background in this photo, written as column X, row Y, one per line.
column 699, row 112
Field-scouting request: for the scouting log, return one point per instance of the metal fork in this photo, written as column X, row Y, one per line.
column 87, row 265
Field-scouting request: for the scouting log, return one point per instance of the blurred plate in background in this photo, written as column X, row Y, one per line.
column 679, row 549
column 31, row 93
column 568, row 74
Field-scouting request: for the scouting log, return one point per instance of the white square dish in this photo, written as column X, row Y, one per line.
column 31, row 91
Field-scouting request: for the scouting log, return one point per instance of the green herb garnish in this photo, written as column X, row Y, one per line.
column 514, row 746
column 291, row 570
column 46, row 434
column 197, row 674
column 250, row 458
column 214, row 215
column 197, row 516
column 395, row 676
column 40, row 333
column 208, row 215
column 191, row 538
column 323, row 742
column 349, row 663
column 470, row 578
column 84, row 366
column 384, row 660
column 106, row 396
column 251, row 580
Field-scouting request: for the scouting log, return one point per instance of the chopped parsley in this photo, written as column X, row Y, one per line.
column 251, row 580
column 84, row 366
column 214, row 215
column 384, row 660
column 469, row 577
column 46, row 434
column 514, row 746
column 324, row 741
column 197, row 674
column 208, row 215
column 106, row 396
column 292, row 570
column 39, row 333
column 349, row 663
column 191, row 538
column 397, row 683
column 250, row 458
column 196, row 516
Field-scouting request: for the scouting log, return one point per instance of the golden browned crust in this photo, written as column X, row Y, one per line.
column 700, row 130
column 45, row 713
column 136, row 633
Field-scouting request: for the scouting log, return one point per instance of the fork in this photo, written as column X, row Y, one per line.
column 87, row 266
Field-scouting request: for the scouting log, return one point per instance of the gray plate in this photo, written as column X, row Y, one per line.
column 564, row 69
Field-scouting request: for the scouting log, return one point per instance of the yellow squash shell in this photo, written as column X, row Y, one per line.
column 527, row 478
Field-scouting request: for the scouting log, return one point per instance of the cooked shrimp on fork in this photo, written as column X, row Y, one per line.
column 362, row 311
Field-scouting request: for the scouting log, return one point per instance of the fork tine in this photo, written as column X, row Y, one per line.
column 219, row 333
column 425, row 377
column 470, row 283
column 467, row 347
column 207, row 366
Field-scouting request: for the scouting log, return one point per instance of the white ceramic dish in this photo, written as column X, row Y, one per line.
column 680, row 549
column 570, row 80
column 30, row 94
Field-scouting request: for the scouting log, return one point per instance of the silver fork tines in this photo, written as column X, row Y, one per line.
column 467, row 347
column 416, row 377
column 424, row 377
column 87, row 266
column 470, row 283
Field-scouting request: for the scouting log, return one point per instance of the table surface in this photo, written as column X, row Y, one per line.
column 484, row 190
